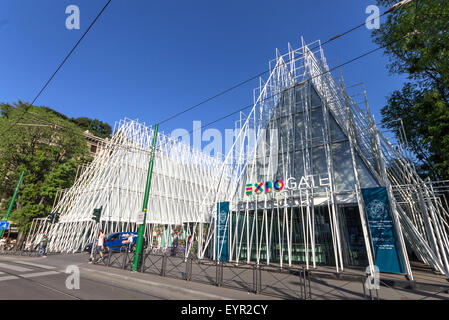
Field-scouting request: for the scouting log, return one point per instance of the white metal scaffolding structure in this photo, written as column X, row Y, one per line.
column 303, row 125
column 306, row 125
column 182, row 182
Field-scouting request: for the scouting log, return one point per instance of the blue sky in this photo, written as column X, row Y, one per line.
column 151, row 59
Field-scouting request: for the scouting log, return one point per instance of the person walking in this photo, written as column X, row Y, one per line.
column 100, row 245
column 43, row 246
column 189, row 243
column 3, row 244
column 175, row 244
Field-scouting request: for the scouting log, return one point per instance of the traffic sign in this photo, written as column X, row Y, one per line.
column 4, row 225
column 140, row 217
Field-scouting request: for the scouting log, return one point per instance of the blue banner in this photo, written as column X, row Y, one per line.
column 383, row 235
column 222, row 231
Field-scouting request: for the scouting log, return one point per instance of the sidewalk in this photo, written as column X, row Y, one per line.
column 325, row 283
column 424, row 278
column 141, row 282
column 193, row 290
column 238, row 282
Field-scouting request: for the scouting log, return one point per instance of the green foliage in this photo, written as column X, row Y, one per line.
column 416, row 39
column 49, row 153
column 56, row 113
column 95, row 126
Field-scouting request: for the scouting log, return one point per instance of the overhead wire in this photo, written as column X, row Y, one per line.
column 25, row 110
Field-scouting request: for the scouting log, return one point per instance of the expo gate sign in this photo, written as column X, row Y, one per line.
column 306, row 182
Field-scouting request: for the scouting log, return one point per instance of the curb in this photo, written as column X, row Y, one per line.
column 158, row 284
column 393, row 283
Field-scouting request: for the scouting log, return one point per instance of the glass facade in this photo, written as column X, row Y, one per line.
column 279, row 221
column 354, row 245
column 293, row 144
column 303, row 145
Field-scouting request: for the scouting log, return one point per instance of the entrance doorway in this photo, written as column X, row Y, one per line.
column 354, row 243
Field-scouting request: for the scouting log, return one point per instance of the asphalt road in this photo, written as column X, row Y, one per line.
column 45, row 279
column 20, row 280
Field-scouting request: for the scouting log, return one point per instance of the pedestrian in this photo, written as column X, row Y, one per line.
column 43, row 246
column 145, row 244
column 174, row 244
column 100, row 245
column 3, row 243
column 129, row 241
column 189, row 243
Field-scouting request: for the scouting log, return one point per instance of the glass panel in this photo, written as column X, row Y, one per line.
column 114, row 237
column 336, row 132
column 298, row 165
column 343, row 169
column 299, row 130
column 319, row 161
column 300, row 98
column 355, row 250
column 317, row 126
column 316, row 101
column 324, row 250
column 277, row 222
column 365, row 177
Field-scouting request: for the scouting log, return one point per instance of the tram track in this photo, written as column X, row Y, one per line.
column 74, row 296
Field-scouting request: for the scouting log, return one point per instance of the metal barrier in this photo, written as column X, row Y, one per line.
column 242, row 277
column 121, row 259
column 306, row 288
column 285, row 283
column 115, row 259
column 104, row 261
column 128, row 259
column 153, row 263
column 175, row 267
column 246, row 277
column 203, row 271
column 291, row 283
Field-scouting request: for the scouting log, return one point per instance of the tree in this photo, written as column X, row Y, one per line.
column 416, row 39
column 95, row 126
column 48, row 148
